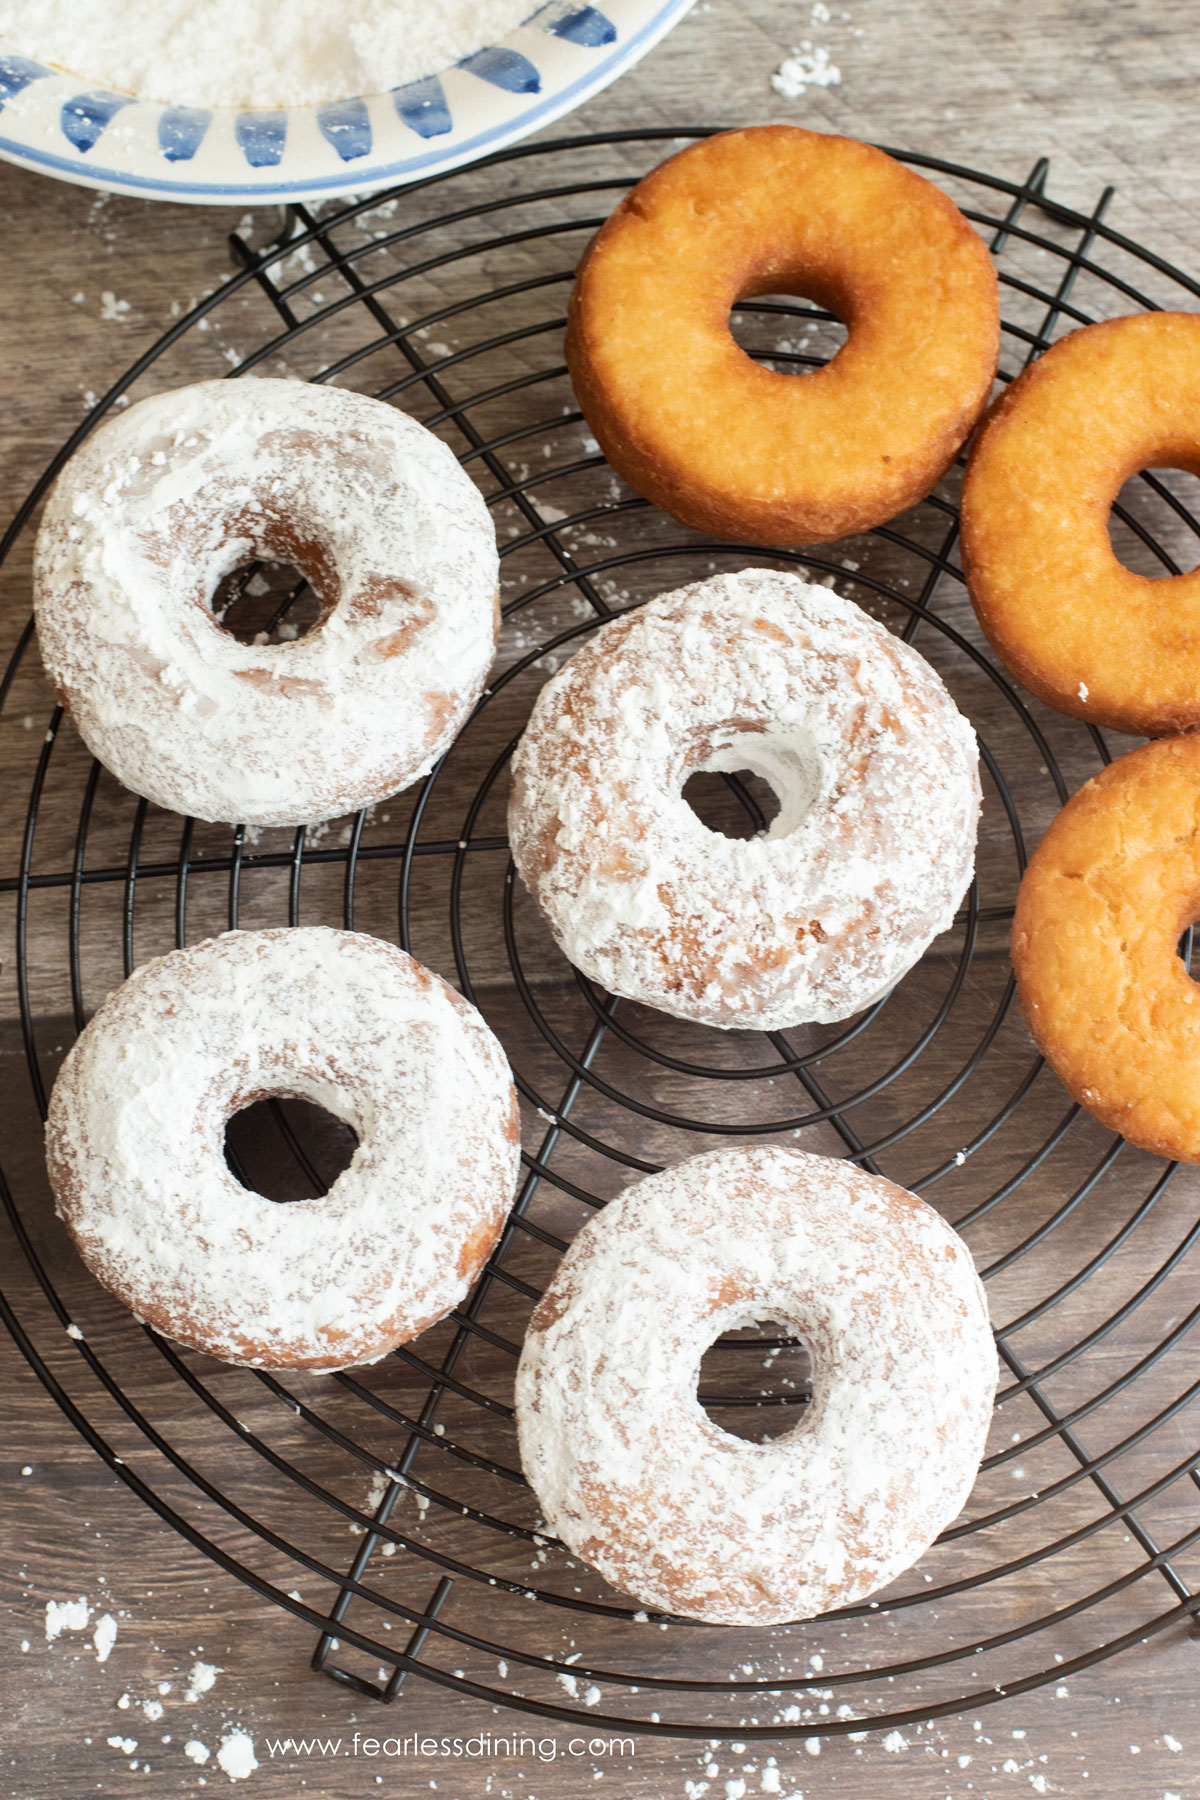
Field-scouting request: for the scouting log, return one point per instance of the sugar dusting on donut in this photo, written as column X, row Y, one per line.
column 136, row 1129
column 875, row 768
column 167, row 499
column 635, row 1477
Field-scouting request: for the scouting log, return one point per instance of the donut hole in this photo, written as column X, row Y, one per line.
column 263, row 602
column 751, row 784
column 755, row 1382
column 1170, row 518
column 735, row 804
column 783, row 333
column 285, row 1148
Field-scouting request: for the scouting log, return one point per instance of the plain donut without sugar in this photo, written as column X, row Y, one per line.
column 1102, row 905
column 135, row 1146
column 636, row 1479
column 1084, row 633
column 710, row 435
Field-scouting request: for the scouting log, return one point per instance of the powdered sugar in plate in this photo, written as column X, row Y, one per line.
column 255, row 52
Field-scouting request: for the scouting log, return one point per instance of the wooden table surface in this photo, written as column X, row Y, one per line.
column 1105, row 88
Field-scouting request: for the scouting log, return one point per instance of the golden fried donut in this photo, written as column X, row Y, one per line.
column 1113, row 883
column 705, row 432
column 1083, row 632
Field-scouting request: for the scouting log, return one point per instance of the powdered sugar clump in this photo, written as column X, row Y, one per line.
column 236, row 1755
column 635, row 1477
column 202, row 1678
column 875, row 769
column 66, row 1615
column 806, row 67
column 255, row 52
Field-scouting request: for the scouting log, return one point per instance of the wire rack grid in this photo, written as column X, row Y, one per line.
column 385, row 1507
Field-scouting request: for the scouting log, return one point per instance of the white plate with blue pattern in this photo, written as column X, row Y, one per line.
column 564, row 53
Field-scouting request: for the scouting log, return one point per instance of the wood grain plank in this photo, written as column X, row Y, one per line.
column 1104, row 91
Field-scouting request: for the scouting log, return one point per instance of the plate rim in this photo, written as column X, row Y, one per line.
column 358, row 178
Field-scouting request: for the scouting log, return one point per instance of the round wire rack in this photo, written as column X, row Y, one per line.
column 384, row 1507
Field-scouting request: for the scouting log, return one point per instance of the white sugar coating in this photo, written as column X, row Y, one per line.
column 135, row 1139
column 875, row 768
column 168, row 498
column 636, row 1478
column 255, row 52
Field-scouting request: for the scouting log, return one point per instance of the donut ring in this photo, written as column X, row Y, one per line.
column 708, row 434
column 1081, row 631
column 166, row 499
column 634, row 1476
column 866, row 862
column 134, row 1146
column 1106, row 896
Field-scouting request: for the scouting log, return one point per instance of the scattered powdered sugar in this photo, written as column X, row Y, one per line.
column 163, row 502
column 202, row 1678
column 66, row 1615
column 104, row 1636
column 198, row 1752
column 875, row 769
column 634, row 1476
column 255, row 52
column 236, row 1755
column 811, row 64
column 806, row 67
column 136, row 1127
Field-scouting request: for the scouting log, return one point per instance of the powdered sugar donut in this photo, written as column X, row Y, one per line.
column 634, row 1476
column 134, row 1145
column 875, row 769
column 167, row 499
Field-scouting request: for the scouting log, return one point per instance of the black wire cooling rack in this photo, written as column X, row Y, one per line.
column 384, row 1508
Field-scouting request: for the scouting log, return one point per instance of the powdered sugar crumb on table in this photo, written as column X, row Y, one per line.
column 806, row 67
